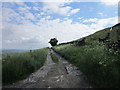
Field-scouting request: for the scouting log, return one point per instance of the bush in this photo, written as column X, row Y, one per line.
column 53, row 41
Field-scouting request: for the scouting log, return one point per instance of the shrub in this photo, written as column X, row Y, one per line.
column 53, row 41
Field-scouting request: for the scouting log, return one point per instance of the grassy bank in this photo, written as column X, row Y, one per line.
column 100, row 65
column 0, row 70
column 18, row 66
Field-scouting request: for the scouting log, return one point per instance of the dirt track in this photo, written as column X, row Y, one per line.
column 54, row 75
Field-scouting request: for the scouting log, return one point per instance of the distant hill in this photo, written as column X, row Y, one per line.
column 8, row 51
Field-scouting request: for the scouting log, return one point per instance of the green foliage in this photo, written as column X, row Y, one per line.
column 18, row 66
column 53, row 41
column 54, row 58
column 100, row 65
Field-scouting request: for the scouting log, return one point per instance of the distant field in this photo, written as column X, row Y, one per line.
column 18, row 66
column 8, row 51
column 100, row 65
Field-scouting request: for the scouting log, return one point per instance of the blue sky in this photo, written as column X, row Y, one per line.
column 30, row 25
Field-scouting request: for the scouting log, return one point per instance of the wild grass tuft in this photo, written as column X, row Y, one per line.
column 54, row 58
column 100, row 65
column 18, row 66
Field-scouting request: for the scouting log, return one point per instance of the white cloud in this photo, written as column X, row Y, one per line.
column 36, row 8
column 64, row 11
column 113, row 20
column 110, row 2
column 74, row 11
column 23, row 9
column 102, row 23
column 37, row 36
column 48, row 17
column 28, row 35
column 91, row 20
column 101, row 14
column 10, row 15
column 24, row 38
column 59, row 8
column 38, row 15
column 55, row 7
column 20, row 3
column 29, row 16
column 119, row 19
column 80, row 18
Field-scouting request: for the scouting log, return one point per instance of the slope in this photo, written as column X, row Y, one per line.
column 98, row 62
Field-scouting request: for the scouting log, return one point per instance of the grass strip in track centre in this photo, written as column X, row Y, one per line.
column 54, row 58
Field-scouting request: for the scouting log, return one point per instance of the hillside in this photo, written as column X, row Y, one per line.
column 114, row 33
column 97, row 56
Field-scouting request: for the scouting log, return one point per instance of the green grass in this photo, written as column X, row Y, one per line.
column 100, row 65
column 114, row 34
column 18, row 66
column 0, row 70
column 54, row 58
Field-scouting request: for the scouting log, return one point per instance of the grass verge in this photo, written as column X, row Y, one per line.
column 100, row 65
column 0, row 71
column 18, row 66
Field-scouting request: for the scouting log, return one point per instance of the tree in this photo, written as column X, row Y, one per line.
column 53, row 41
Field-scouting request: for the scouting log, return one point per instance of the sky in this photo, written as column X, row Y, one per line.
column 30, row 25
